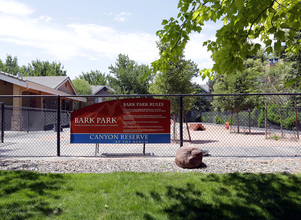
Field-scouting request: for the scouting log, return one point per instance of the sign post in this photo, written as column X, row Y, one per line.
column 124, row 121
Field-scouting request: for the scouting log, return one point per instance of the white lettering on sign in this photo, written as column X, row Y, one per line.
column 156, row 104
column 129, row 104
column 84, row 120
column 136, row 137
column 133, row 136
column 101, row 120
column 142, row 104
column 103, row 137
column 106, row 120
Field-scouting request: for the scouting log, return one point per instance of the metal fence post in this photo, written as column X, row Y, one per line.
column 266, row 120
column 58, row 124
column 2, row 122
column 296, row 118
column 181, row 119
column 28, row 120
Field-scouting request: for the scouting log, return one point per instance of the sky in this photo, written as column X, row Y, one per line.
column 87, row 35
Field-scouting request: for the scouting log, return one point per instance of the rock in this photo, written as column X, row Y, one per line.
column 189, row 157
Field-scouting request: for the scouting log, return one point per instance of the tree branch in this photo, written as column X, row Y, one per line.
column 250, row 29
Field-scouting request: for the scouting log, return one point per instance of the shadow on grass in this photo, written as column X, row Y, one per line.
column 26, row 194
column 233, row 196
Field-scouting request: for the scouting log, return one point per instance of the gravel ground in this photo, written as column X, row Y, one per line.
column 149, row 164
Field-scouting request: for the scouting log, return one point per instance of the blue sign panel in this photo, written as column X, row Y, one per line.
column 120, row 138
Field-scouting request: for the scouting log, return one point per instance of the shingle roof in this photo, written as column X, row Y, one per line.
column 48, row 84
column 50, row 81
column 96, row 89
column 18, row 80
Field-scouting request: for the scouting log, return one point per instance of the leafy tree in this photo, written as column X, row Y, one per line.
column 244, row 20
column 176, row 79
column 274, row 81
column 82, row 86
column 35, row 68
column 129, row 77
column 240, row 83
column 44, row 68
column 294, row 59
column 10, row 66
column 94, row 77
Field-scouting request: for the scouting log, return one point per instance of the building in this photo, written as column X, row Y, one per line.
column 99, row 90
column 26, row 88
column 39, row 85
column 272, row 63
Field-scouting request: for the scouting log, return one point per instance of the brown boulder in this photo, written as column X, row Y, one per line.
column 189, row 157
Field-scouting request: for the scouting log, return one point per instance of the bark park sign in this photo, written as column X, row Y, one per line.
column 138, row 120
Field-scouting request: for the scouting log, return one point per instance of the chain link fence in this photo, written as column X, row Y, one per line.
column 221, row 125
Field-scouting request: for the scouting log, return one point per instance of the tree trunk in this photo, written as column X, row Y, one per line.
column 237, row 122
column 281, row 125
column 185, row 119
column 231, row 120
column 249, row 121
column 296, row 116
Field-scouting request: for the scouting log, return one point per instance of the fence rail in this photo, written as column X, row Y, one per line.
column 30, row 128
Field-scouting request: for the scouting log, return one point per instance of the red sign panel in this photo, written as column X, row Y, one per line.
column 138, row 120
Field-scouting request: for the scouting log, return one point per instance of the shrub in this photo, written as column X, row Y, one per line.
column 203, row 119
column 276, row 137
column 261, row 119
column 273, row 114
column 290, row 122
column 218, row 120
column 274, row 117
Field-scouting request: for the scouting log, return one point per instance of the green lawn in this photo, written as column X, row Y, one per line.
column 30, row 195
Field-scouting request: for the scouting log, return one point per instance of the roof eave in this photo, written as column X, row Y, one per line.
column 64, row 81
column 102, row 88
column 12, row 79
column 36, row 86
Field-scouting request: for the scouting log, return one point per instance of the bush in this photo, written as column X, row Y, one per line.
column 261, row 119
column 233, row 121
column 203, row 119
column 288, row 117
column 209, row 116
column 289, row 123
column 218, row 120
column 273, row 114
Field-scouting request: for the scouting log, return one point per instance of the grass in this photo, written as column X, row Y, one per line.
column 276, row 137
column 30, row 195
